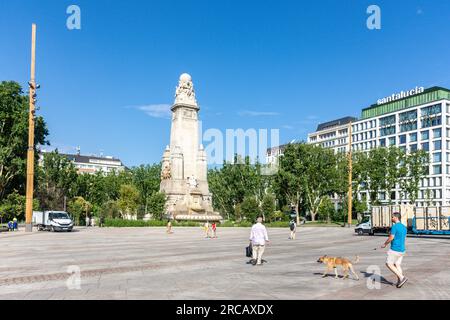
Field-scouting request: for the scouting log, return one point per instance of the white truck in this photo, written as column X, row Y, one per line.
column 365, row 226
column 52, row 220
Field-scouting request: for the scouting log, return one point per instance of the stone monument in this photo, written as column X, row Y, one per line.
column 184, row 166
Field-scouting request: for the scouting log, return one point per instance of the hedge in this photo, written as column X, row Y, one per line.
column 120, row 223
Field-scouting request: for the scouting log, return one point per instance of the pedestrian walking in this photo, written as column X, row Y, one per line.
column 397, row 252
column 87, row 221
column 93, row 222
column 169, row 227
column 293, row 228
column 258, row 240
column 214, row 230
column 206, row 229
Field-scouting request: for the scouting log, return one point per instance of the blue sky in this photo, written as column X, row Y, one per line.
column 285, row 65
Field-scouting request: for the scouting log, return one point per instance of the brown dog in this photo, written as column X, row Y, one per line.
column 333, row 262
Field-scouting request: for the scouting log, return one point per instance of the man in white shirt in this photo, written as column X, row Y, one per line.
column 258, row 238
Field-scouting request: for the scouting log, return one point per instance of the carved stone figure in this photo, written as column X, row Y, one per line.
column 165, row 174
column 184, row 93
column 192, row 182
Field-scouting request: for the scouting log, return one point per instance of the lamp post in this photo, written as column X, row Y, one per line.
column 30, row 152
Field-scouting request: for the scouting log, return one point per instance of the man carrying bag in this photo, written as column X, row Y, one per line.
column 258, row 239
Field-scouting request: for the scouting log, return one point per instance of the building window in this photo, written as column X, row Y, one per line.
column 382, row 142
column 424, row 135
column 402, row 139
column 437, row 133
column 386, row 121
column 413, row 137
column 409, row 126
column 392, row 141
column 426, row 146
column 431, row 122
column 407, row 116
column 387, row 131
column 437, row 145
column 437, row 157
column 431, row 110
column 413, row 147
column 437, row 169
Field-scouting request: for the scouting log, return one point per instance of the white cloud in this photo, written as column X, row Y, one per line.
column 156, row 110
column 249, row 113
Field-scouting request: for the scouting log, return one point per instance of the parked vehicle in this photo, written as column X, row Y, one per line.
column 420, row 220
column 52, row 220
column 365, row 226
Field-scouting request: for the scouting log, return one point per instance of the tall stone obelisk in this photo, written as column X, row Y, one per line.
column 184, row 165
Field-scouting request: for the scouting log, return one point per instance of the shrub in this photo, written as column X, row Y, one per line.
column 122, row 223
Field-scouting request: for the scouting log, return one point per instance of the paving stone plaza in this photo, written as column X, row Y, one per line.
column 147, row 263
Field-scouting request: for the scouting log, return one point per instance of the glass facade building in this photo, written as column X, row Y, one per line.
column 416, row 122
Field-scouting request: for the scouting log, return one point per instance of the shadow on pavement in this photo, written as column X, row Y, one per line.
column 382, row 279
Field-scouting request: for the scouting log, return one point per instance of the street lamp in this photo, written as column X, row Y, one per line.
column 30, row 152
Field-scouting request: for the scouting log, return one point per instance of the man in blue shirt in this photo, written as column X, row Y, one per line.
column 397, row 251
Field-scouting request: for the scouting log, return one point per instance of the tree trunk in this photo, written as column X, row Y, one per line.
column 313, row 216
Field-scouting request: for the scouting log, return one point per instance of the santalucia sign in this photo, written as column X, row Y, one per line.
column 401, row 95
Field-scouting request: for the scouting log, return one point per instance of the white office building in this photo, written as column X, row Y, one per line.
column 412, row 120
column 333, row 134
column 92, row 164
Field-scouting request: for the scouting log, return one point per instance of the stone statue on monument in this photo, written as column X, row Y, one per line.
column 165, row 174
column 192, row 182
column 185, row 90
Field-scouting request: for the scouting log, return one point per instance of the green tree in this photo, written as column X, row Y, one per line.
column 233, row 182
column 110, row 210
column 56, row 177
column 156, row 205
column 250, row 208
column 14, row 137
column 128, row 199
column 309, row 173
column 326, row 210
column 79, row 208
column 288, row 183
column 268, row 207
column 114, row 180
column 14, row 207
column 412, row 171
column 147, row 179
